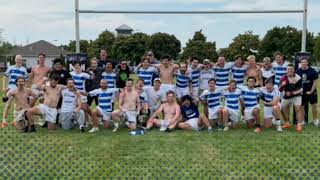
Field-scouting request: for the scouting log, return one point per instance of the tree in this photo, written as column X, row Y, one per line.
column 104, row 41
column 163, row 43
column 199, row 47
column 84, row 46
column 316, row 48
column 130, row 48
column 244, row 44
column 286, row 40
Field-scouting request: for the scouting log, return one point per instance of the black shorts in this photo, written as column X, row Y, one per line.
column 312, row 98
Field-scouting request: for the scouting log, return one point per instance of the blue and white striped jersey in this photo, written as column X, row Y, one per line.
column 105, row 97
column 232, row 99
column 146, row 74
column 269, row 96
column 111, row 79
column 212, row 97
column 238, row 73
column 205, row 76
column 195, row 76
column 80, row 80
column 250, row 96
column 279, row 71
column 182, row 80
column 222, row 74
column 13, row 72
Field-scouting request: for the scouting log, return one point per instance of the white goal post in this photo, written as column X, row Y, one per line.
column 303, row 11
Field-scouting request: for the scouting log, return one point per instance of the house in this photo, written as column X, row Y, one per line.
column 124, row 30
column 31, row 51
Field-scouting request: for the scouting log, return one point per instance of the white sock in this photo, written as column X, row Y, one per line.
column 209, row 128
column 116, row 125
column 4, row 120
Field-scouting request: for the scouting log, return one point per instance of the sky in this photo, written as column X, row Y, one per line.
column 24, row 22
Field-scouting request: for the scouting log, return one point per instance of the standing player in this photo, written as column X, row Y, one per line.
column 109, row 75
column 231, row 111
column 291, row 86
column 12, row 73
column 253, row 70
column 271, row 100
column 222, row 71
column 191, row 118
column 206, row 74
column 129, row 106
column 171, row 111
column 71, row 111
column 267, row 70
column 194, row 70
column 49, row 107
column 105, row 98
column 250, row 100
column 309, row 84
column 183, row 81
column 212, row 98
column 279, row 66
column 58, row 70
column 154, row 95
column 21, row 96
column 96, row 72
column 239, row 70
column 145, row 71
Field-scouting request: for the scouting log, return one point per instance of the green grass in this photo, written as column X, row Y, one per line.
column 179, row 155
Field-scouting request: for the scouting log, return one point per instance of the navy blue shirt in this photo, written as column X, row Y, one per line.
column 190, row 112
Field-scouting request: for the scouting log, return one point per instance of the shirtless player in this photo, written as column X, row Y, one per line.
column 38, row 73
column 129, row 106
column 172, row 114
column 253, row 70
column 167, row 70
column 21, row 98
column 49, row 107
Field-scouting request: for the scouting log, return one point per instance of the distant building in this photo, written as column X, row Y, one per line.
column 31, row 51
column 124, row 30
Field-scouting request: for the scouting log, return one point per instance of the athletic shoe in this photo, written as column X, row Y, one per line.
column 168, row 130
column 115, row 129
column 279, row 128
column 219, row 128
column 82, row 130
column 286, row 125
column 299, row 128
column 162, row 129
column 316, row 122
column 94, row 129
column 32, row 128
column 274, row 121
column 226, row 129
column 4, row 124
column 210, row 130
column 257, row 130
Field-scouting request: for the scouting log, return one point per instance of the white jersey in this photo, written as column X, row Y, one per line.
column 154, row 97
column 238, row 73
column 69, row 100
column 267, row 73
column 232, row 99
column 222, row 74
column 80, row 80
column 110, row 78
column 279, row 70
column 212, row 97
column 205, row 76
column 13, row 72
column 105, row 98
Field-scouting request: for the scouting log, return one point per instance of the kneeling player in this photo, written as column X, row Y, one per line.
column 71, row 111
column 232, row 109
column 191, row 118
column 212, row 98
column 21, row 97
column 271, row 100
column 250, row 100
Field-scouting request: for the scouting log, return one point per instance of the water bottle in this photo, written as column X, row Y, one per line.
column 138, row 132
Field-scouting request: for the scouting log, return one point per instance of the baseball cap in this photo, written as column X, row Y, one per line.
column 206, row 60
column 150, row 53
column 157, row 79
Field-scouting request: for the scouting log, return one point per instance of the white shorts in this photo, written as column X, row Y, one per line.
column 49, row 113
column 296, row 101
column 195, row 92
column 164, row 124
column 268, row 112
column 234, row 115
column 106, row 116
column 131, row 116
column 193, row 123
column 248, row 113
column 182, row 92
column 84, row 99
column 213, row 112
column 20, row 115
column 165, row 88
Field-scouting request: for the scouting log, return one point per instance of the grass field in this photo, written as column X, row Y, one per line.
column 238, row 153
